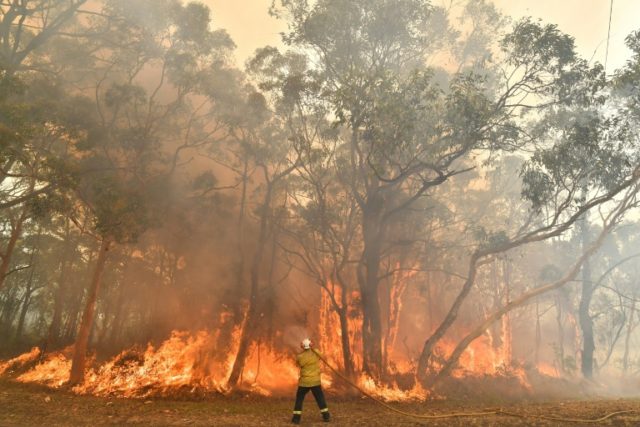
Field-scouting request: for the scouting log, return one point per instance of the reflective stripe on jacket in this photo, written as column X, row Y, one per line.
column 309, row 364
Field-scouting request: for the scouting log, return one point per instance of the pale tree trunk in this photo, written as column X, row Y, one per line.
column 536, row 352
column 560, row 334
column 506, row 319
column 82, row 338
column 396, row 292
column 27, row 296
column 627, row 339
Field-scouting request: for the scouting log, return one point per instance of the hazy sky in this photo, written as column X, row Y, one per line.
column 251, row 27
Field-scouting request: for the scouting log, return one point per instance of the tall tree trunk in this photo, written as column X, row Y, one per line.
column 521, row 300
column 53, row 337
column 252, row 309
column 536, row 351
column 11, row 245
column 586, row 322
column 27, row 296
column 233, row 296
column 507, row 338
column 627, row 339
column 369, row 280
column 82, row 339
column 70, row 329
column 23, row 312
column 10, row 307
column 343, row 316
column 560, row 334
column 116, row 326
column 451, row 316
column 396, row 292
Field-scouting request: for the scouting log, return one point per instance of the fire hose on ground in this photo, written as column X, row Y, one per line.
column 470, row 414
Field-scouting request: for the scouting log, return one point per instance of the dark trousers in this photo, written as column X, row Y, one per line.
column 317, row 393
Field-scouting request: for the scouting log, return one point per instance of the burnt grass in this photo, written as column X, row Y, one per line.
column 34, row 405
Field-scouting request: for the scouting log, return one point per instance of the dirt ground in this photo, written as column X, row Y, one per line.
column 31, row 405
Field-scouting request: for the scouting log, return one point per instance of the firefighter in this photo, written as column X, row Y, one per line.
column 309, row 362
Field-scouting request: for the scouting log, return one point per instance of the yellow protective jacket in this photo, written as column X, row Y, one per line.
column 309, row 364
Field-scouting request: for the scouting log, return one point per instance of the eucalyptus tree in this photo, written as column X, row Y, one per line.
column 269, row 150
column 27, row 30
column 407, row 128
column 368, row 63
column 583, row 142
column 146, row 69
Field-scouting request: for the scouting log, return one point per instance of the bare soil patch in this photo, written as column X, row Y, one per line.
column 31, row 405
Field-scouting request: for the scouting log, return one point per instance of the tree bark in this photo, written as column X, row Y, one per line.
column 233, row 296
column 23, row 312
column 53, row 337
column 586, row 322
column 369, row 280
column 82, row 338
column 27, row 296
column 523, row 299
column 252, row 309
column 627, row 339
column 452, row 315
column 11, row 245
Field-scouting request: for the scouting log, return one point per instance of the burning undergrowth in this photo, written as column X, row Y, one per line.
column 183, row 366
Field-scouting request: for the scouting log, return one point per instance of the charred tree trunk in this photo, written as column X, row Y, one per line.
column 9, row 310
column 343, row 316
column 252, row 309
column 369, row 280
column 233, row 296
column 347, row 358
column 396, row 292
column 82, row 339
column 16, row 231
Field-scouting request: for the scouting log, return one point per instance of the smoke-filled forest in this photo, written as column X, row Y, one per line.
column 441, row 197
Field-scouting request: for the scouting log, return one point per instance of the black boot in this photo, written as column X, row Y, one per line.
column 296, row 418
column 326, row 417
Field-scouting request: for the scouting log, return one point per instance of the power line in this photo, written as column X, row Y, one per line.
column 606, row 55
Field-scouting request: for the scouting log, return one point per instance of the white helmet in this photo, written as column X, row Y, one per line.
column 306, row 344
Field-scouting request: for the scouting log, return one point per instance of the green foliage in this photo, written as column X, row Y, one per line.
column 536, row 46
column 122, row 211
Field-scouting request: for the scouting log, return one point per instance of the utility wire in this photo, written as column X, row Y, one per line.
column 606, row 55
